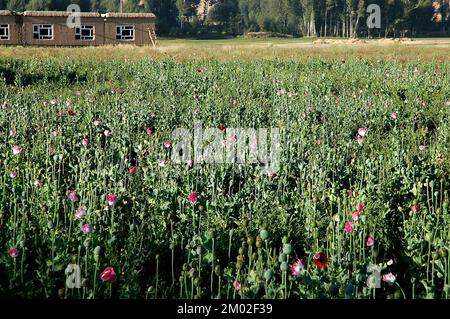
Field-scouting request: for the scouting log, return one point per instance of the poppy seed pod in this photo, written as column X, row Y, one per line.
column 287, row 249
column 268, row 274
column 284, row 266
column 264, row 234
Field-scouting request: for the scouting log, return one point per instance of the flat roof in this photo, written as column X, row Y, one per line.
column 5, row 13
column 129, row 15
column 59, row 14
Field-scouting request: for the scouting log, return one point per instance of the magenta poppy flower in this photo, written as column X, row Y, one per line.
column 222, row 126
column 85, row 141
column 150, row 131
column 237, row 285
column 71, row 112
column 321, row 260
column 80, row 212
column 86, row 228
column 360, row 139
column 414, row 208
column 193, row 198
column 348, row 227
column 362, row 131
column 355, row 216
column 132, row 169
column 111, row 199
column 360, row 207
column 17, row 149
column 108, row 275
column 72, row 196
column 370, row 241
column 297, row 267
column 13, row 174
column 13, row 252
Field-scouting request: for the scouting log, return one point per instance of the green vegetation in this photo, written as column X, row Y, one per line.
column 87, row 179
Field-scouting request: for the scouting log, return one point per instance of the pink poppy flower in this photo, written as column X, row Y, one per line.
column 422, row 147
column 389, row 278
column 224, row 142
column 132, row 169
column 108, row 275
column 390, row 262
column 167, row 143
column 13, row 252
column 297, row 267
column 72, row 196
column 96, row 123
column 17, row 149
column 370, row 241
column 360, row 207
column 281, row 92
column 13, row 174
column 237, row 285
column 355, row 216
column 162, row 163
column 80, row 212
column 107, row 133
column 362, row 131
column 348, row 227
column 86, row 228
column 150, row 131
column 38, row 183
column 414, row 208
column 360, row 139
column 193, row 198
column 394, row 115
column 233, row 139
column 111, row 199
column 190, row 163
column 85, row 141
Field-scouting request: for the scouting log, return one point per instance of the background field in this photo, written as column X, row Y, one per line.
column 435, row 49
column 248, row 235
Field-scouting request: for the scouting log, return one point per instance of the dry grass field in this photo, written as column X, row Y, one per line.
column 416, row 50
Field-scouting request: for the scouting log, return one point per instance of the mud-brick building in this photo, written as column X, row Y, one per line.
column 60, row 28
column 9, row 27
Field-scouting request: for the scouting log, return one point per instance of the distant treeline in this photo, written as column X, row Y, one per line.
column 345, row 18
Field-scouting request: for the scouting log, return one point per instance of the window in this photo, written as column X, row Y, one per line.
column 43, row 31
column 125, row 32
column 4, row 31
column 85, row 32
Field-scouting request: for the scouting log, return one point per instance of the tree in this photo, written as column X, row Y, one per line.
column 16, row 5
column 38, row 5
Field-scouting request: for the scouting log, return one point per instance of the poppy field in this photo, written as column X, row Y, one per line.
column 92, row 204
